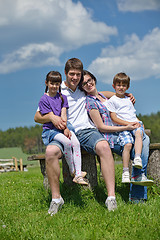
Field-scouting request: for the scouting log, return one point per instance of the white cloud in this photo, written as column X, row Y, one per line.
column 138, row 58
column 138, row 5
column 32, row 55
column 63, row 23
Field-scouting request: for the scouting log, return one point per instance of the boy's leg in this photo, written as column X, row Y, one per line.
column 126, row 155
column 126, row 158
column 138, row 142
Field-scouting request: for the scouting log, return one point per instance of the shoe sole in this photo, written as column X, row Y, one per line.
column 142, row 183
column 126, row 182
column 137, row 166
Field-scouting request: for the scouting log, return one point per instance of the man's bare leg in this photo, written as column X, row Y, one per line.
column 107, row 167
column 53, row 153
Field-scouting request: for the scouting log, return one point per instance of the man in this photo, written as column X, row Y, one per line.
column 90, row 138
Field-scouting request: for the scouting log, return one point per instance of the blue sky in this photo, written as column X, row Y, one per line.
column 109, row 36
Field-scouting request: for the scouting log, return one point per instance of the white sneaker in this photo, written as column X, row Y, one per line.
column 125, row 177
column 141, row 180
column 54, row 207
column 137, row 162
column 111, row 204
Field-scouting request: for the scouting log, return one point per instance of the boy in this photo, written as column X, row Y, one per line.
column 123, row 112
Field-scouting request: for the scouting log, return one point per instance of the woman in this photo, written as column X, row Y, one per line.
column 95, row 104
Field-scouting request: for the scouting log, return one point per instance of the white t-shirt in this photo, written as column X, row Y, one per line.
column 77, row 112
column 123, row 107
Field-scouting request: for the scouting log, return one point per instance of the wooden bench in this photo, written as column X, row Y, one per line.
column 9, row 165
column 89, row 165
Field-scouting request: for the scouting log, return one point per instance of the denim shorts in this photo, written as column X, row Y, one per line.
column 49, row 134
column 88, row 139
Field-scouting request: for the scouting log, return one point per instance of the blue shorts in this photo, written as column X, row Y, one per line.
column 128, row 136
column 49, row 134
column 125, row 137
column 88, row 139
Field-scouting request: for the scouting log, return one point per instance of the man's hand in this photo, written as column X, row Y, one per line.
column 67, row 133
column 57, row 121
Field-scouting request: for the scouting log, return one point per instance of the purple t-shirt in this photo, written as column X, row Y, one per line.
column 52, row 104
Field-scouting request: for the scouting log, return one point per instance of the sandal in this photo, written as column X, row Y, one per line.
column 80, row 180
column 83, row 174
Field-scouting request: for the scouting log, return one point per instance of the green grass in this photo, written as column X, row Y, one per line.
column 24, row 204
column 16, row 152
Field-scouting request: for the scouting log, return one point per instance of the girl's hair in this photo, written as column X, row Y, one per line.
column 85, row 72
column 54, row 76
column 121, row 77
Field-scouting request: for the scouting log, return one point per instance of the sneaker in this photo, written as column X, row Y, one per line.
column 80, row 180
column 111, row 204
column 54, row 207
column 141, row 180
column 137, row 163
column 125, row 177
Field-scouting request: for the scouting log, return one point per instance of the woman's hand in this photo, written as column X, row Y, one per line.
column 132, row 126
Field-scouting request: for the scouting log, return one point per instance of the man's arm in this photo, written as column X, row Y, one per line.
column 50, row 117
column 108, row 94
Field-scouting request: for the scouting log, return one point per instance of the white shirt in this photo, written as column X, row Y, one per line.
column 77, row 112
column 123, row 107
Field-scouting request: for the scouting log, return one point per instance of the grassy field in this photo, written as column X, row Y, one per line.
column 24, row 204
column 16, row 152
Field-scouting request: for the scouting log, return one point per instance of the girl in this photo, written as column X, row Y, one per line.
column 54, row 101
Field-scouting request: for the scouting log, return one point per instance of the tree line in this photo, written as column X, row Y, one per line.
column 29, row 138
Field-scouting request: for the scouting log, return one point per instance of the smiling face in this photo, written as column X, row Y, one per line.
column 120, row 88
column 89, row 85
column 73, row 78
column 53, row 88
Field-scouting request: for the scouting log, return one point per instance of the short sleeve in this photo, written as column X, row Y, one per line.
column 110, row 105
column 65, row 104
column 43, row 105
column 90, row 104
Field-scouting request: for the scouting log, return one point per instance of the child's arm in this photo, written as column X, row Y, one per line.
column 119, row 121
column 67, row 133
column 96, row 118
column 64, row 114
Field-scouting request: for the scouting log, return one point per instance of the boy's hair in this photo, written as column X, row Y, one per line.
column 121, row 77
column 54, row 76
column 73, row 63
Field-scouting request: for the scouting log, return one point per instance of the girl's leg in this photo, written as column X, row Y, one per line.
column 76, row 154
column 67, row 150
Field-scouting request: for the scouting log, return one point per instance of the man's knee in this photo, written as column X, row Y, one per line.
column 53, row 151
column 102, row 147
